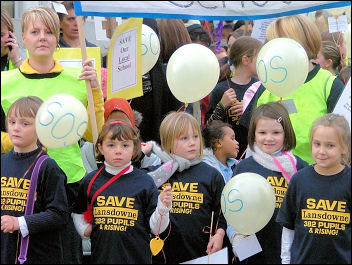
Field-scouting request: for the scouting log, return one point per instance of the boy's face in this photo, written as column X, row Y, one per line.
column 22, row 133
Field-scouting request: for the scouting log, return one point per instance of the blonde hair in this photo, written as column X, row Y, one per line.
column 6, row 20
column 173, row 125
column 330, row 51
column 46, row 15
column 299, row 28
column 341, row 126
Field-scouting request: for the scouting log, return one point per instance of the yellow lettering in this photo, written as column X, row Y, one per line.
column 100, row 200
column 271, row 180
column 194, row 187
column 175, row 186
column 183, row 188
column 310, row 203
column 130, row 202
column 341, row 206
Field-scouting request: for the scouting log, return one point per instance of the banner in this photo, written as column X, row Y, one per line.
column 202, row 10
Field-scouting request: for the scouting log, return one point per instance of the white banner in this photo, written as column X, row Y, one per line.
column 203, row 10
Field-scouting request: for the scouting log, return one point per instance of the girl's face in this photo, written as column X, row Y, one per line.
column 326, row 149
column 116, row 153
column 253, row 66
column 269, row 135
column 22, row 133
column 229, row 145
column 322, row 61
column 39, row 40
column 187, row 145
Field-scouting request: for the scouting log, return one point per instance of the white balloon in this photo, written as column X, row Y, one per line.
column 150, row 48
column 282, row 66
column 192, row 72
column 61, row 121
column 248, row 202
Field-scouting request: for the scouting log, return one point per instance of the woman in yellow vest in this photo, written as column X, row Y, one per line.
column 40, row 75
column 319, row 93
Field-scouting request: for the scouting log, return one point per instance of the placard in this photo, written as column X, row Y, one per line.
column 72, row 57
column 124, row 77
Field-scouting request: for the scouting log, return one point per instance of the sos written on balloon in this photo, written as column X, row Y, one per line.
column 150, row 48
column 61, row 121
column 282, row 66
column 192, row 72
column 248, row 202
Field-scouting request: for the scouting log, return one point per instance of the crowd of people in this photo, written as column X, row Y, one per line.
column 149, row 189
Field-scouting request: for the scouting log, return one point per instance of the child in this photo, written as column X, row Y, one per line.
column 119, row 109
column 226, row 100
column 196, row 187
column 122, row 204
column 221, row 148
column 220, row 151
column 316, row 210
column 41, row 225
column 271, row 139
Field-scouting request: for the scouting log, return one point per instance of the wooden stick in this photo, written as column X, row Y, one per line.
column 211, row 229
column 82, row 41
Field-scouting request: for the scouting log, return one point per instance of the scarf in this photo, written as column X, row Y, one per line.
column 171, row 164
column 267, row 161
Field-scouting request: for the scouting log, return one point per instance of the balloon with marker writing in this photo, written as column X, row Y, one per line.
column 282, row 66
column 61, row 121
column 248, row 202
column 150, row 48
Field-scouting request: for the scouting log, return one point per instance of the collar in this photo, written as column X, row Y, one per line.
column 115, row 170
column 27, row 69
column 230, row 162
column 312, row 73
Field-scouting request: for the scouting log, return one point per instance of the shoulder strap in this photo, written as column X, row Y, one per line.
column 30, row 205
column 325, row 87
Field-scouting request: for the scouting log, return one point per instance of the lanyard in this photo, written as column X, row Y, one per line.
column 283, row 171
column 89, row 214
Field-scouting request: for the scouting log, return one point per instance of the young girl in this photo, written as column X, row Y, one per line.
column 271, row 139
column 220, row 151
column 226, row 99
column 316, row 210
column 221, row 148
column 122, row 204
column 40, row 226
column 196, row 189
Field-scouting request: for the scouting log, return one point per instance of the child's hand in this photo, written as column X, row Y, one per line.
column 215, row 243
column 237, row 108
column 88, row 230
column 9, row 224
column 228, row 97
column 147, row 148
column 166, row 196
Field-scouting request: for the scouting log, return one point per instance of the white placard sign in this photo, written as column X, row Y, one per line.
column 337, row 24
column 124, row 64
column 259, row 28
column 219, row 257
column 343, row 105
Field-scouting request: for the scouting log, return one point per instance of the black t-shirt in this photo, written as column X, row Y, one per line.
column 269, row 236
column 50, row 212
column 196, row 193
column 241, row 132
column 121, row 216
column 318, row 209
